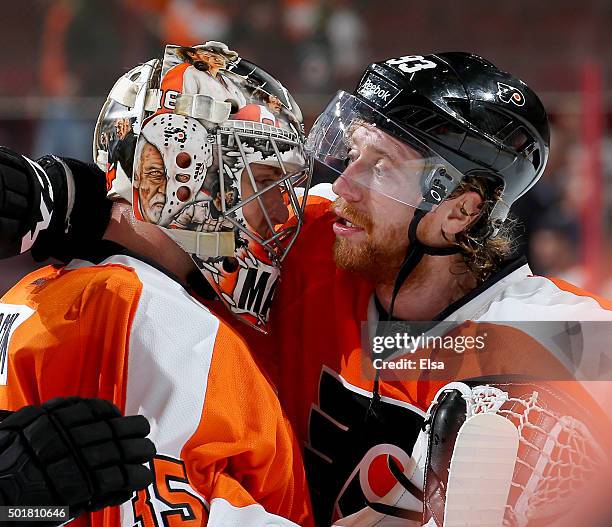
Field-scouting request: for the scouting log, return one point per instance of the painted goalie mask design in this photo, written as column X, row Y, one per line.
column 211, row 148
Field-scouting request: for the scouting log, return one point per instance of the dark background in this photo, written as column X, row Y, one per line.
column 58, row 59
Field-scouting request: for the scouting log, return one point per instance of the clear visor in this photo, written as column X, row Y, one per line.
column 367, row 148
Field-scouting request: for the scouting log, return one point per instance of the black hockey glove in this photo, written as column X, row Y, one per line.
column 54, row 206
column 73, row 452
column 25, row 203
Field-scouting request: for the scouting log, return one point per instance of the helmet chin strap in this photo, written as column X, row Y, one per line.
column 414, row 254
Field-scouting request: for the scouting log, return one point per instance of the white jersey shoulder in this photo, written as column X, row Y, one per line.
column 322, row 190
column 569, row 322
column 521, row 296
column 171, row 344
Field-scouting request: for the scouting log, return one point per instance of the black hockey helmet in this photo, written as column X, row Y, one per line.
column 464, row 115
column 445, row 117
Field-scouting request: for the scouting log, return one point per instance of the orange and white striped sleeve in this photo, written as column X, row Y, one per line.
column 226, row 453
column 125, row 331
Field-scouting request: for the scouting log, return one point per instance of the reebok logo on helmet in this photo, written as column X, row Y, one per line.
column 377, row 90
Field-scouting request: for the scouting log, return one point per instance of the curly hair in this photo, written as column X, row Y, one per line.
column 482, row 254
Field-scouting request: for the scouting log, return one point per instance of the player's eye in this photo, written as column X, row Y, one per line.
column 350, row 158
column 378, row 168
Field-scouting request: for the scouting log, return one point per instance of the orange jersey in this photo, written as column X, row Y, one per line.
column 125, row 331
column 318, row 319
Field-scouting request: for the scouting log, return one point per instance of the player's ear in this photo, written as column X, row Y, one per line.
column 460, row 212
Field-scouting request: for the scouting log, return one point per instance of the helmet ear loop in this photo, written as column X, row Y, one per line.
column 481, row 233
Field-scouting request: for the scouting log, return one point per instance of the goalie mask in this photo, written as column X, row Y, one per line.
column 210, row 147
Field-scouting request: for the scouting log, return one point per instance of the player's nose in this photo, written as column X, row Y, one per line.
column 347, row 189
column 273, row 201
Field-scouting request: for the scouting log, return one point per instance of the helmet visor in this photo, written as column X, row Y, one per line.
column 365, row 147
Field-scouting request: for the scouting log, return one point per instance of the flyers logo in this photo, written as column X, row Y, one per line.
column 347, row 455
column 510, row 94
column 170, row 501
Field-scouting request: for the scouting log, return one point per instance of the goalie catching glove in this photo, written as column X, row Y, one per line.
column 75, row 452
column 514, row 453
column 499, row 452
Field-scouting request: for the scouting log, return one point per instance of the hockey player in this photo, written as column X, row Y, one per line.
column 431, row 152
column 124, row 320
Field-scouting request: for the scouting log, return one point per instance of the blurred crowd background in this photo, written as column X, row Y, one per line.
column 59, row 58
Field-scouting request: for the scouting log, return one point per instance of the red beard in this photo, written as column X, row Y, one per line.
column 377, row 258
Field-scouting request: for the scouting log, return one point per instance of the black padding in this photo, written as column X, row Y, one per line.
column 20, row 195
column 68, row 237
column 73, row 451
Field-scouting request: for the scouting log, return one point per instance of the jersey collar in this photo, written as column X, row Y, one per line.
column 465, row 307
column 99, row 251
